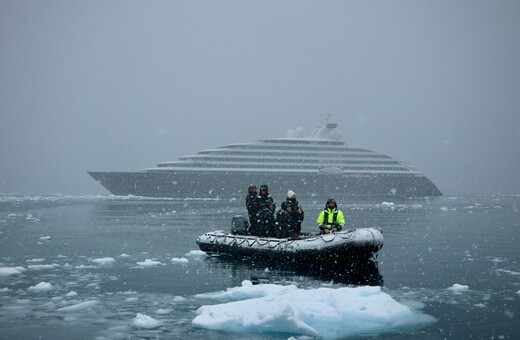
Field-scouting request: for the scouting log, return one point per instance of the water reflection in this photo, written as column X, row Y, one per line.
column 360, row 273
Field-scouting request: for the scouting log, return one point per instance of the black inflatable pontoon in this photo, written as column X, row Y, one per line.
column 339, row 246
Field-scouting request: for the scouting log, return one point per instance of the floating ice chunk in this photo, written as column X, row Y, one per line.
column 42, row 266
column 71, row 294
column 104, row 260
column 4, row 290
column 82, row 266
column 322, row 312
column 180, row 260
column 387, row 204
column 178, row 299
column 41, row 287
column 36, row 260
column 79, row 306
column 444, row 209
column 163, row 311
column 124, row 255
column 31, row 218
column 198, row 253
column 144, row 321
column 43, row 238
column 505, row 271
column 458, row 288
column 8, row 271
column 149, row 263
column 248, row 291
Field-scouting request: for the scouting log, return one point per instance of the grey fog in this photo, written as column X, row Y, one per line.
column 124, row 85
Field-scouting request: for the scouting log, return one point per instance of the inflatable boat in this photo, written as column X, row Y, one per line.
column 345, row 245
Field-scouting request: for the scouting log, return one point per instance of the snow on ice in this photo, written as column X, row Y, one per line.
column 324, row 312
column 144, row 321
column 180, row 260
column 196, row 253
column 457, row 288
column 79, row 306
column 8, row 271
column 41, row 287
column 42, row 266
column 149, row 263
column 104, row 260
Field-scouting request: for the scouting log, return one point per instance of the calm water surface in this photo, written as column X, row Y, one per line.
column 430, row 245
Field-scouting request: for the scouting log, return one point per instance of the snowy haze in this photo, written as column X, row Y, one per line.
column 124, row 85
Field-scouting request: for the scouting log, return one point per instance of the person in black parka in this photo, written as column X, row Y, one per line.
column 284, row 227
column 297, row 213
column 265, row 216
column 252, row 206
column 265, row 200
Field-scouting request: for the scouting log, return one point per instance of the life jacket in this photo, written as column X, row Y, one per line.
column 326, row 217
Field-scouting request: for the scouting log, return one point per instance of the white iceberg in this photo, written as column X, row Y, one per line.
column 79, row 306
column 149, row 263
column 8, row 271
column 458, row 288
column 180, row 260
column 104, row 260
column 329, row 313
column 144, row 321
column 41, row 287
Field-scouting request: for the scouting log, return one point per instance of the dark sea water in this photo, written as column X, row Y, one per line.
column 430, row 246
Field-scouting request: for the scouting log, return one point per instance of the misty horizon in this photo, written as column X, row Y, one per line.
column 123, row 86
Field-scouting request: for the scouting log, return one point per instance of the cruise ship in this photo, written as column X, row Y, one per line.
column 318, row 165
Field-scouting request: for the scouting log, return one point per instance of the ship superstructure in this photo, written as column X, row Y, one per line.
column 320, row 164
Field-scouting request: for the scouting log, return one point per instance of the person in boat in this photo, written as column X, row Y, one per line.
column 297, row 214
column 252, row 205
column 331, row 219
column 284, row 226
column 265, row 200
column 265, row 222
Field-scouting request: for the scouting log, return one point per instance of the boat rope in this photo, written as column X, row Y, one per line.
column 276, row 243
column 242, row 239
column 332, row 239
column 260, row 243
column 232, row 238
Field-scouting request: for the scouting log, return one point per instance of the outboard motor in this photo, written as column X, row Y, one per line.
column 239, row 225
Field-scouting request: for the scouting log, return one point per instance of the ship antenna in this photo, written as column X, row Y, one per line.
column 326, row 117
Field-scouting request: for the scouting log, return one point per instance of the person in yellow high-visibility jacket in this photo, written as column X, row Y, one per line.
column 331, row 219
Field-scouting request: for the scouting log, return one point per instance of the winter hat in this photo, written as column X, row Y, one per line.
column 290, row 194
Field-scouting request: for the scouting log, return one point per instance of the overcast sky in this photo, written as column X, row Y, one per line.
column 124, row 85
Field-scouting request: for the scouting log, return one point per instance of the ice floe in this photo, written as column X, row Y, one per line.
column 196, row 253
column 180, row 260
column 149, row 263
column 8, row 271
column 104, row 260
column 41, row 287
column 144, row 321
column 79, row 306
column 458, row 288
column 42, row 266
column 328, row 313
